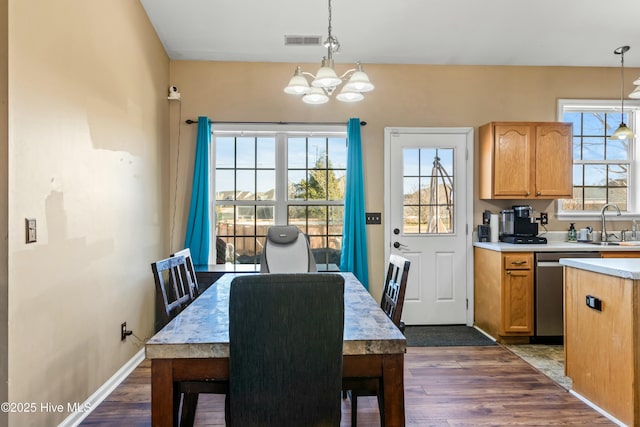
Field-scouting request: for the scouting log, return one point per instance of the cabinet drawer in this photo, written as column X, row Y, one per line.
column 518, row 262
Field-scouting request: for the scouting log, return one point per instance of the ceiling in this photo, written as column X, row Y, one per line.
column 464, row 32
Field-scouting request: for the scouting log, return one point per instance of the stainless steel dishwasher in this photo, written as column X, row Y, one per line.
column 549, row 289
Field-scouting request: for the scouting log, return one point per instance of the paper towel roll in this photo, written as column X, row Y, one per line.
column 494, row 225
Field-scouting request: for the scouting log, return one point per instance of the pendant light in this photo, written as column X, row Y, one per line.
column 623, row 132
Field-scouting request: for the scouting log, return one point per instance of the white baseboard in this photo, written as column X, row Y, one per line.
column 597, row 408
column 104, row 391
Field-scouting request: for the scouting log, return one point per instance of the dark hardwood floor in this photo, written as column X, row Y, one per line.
column 444, row 386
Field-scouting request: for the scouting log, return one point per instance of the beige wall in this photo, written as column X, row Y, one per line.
column 87, row 155
column 3, row 207
column 405, row 95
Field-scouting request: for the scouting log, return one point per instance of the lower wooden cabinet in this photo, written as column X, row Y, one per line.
column 504, row 294
column 620, row 254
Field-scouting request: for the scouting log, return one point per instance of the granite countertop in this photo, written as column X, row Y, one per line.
column 558, row 246
column 202, row 329
column 626, row 268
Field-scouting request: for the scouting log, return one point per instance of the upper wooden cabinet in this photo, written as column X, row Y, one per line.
column 526, row 160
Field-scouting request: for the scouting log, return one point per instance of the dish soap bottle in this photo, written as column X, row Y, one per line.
column 572, row 235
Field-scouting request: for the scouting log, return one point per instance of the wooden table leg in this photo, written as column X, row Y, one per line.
column 393, row 385
column 162, row 395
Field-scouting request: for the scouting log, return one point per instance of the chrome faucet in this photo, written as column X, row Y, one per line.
column 605, row 235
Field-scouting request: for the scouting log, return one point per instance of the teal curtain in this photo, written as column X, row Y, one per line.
column 199, row 227
column 354, row 242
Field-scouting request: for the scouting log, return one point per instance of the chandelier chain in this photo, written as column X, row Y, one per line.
column 329, row 29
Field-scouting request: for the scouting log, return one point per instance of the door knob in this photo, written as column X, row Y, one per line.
column 398, row 245
column 396, row 231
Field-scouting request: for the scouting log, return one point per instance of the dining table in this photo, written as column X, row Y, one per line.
column 195, row 346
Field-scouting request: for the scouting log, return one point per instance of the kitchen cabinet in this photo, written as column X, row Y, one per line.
column 619, row 254
column 526, row 160
column 602, row 355
column 503, row 294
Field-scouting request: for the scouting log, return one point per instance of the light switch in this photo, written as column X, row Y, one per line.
column 373, row 218
column 30, row 225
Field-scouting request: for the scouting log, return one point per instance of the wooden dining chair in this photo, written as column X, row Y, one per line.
column 173, row 290
column 391, row 303
column 395, row 285
column 285, row 350
column 189, row 272
column 286, row 250
column 174, row 279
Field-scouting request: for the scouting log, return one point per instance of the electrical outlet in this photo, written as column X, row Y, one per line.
column 593, row 302
column 123, row 331
column 544, row 218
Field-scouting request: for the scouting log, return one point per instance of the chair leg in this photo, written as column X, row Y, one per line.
column 177, row 403
column 381, row 407
column 189, row 404
column 354, row 409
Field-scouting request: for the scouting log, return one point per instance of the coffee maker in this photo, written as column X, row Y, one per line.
column 519, row 226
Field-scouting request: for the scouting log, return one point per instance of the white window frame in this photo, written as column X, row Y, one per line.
column 281, row 133
column 608, row 106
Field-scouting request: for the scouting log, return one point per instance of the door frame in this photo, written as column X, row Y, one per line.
column 469, row 195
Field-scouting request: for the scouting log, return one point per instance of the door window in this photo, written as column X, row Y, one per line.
column 428, row 185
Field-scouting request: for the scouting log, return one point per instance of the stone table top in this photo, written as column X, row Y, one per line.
column 202, row 329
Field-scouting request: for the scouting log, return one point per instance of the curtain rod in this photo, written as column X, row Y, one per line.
column 190, row 122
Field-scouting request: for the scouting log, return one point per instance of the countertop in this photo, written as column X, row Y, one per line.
column 558, row 246
column 626, row 268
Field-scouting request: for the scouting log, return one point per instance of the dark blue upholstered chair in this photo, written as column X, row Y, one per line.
column 285, row 362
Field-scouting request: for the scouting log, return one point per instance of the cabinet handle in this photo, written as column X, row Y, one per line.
column 538, row 193
column 508, row 272
column 518, row 262
column 528, row 193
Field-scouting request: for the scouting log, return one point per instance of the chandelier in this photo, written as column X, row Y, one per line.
column 623, row 132
column 326, row 81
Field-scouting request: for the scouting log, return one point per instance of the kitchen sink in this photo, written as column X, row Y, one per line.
column 632, row 243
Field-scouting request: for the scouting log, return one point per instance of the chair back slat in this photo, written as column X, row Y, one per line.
column 188, row 271
column 173, row 292
column 395, row 286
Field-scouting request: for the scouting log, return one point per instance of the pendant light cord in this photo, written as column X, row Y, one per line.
column 622, row 85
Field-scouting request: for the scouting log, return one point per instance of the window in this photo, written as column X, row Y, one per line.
column 428, row 190
column 604, row 170
column 283, row 175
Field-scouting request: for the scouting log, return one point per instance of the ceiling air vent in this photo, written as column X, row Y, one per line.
column 302, row 40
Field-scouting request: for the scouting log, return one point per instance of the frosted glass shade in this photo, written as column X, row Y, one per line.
column 349, row 96
column 315, row 96
column 636, row 93
column 326, row 77
column 623, row 132
column 359, row 82
column 298, row 85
